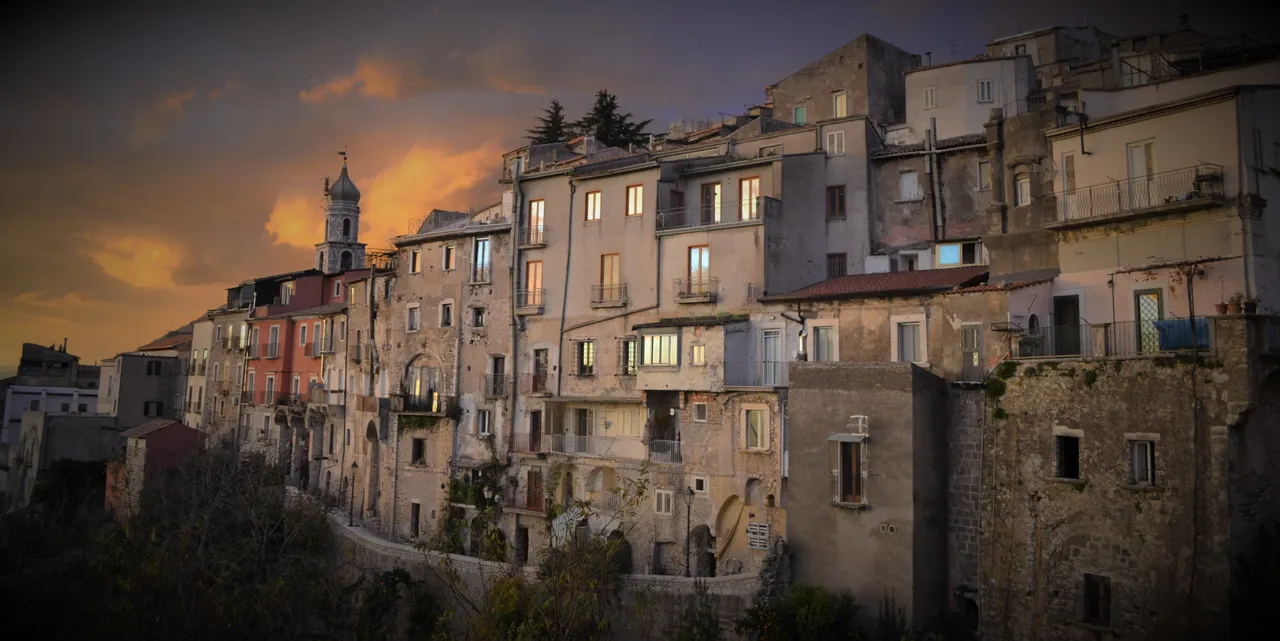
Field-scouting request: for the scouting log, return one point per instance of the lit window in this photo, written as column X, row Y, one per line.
column 661, row 349
column 593, row 205
column 586, row 358
column 635, row 200
column 755, row 435
column 698, row 354
column 840, row 104
column 930, row 97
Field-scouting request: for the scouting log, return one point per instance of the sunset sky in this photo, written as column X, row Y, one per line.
column 155, row 155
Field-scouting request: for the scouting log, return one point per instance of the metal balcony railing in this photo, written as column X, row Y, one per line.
column 698, row 289
column 526, row 442
column 537, row 383
column 664, row 451
column 429, row 402
column 532, row 236
column 495, row 386
column 570, row 444
column 529, row 297
column 722, row 213
column 273, row 350
column 480, row 272
column 755, row 373
column 1125, row 339
column 326, row 346
column 614, row 294
column 1203, row 181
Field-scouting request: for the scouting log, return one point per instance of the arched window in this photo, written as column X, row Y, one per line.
column 346, row 228
column 320, row 260
column 345, row 262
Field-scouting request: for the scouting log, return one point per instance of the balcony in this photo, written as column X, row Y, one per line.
column 495, row 386
column 273, row 351
column 533, row 237
column 701, row 290
column 530, row 499
column 613, row 295
column 573, row 444
column 318, row 396
column 326, row 347
column 1126, row 339
column 529, row 302
column 724, row 214
column 526, row 442
column 664, row 451
column 537, row 384
column 427, row 403
column 480, row 273
column 755, row 374
column 1165, row 192
column 366, row 403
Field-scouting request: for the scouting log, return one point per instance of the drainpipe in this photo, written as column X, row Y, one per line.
column 564, row 296
column 935, row 181
column 512, row 281
column 457, row 374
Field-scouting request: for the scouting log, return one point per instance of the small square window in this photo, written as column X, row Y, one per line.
column 663, row 502
column 697, row 354
column 700, row 484
column 1068, row 457
column 477, row 316
column 1097, row 599
column 700, row 412
column 66, row 407
column 82, row 408
column 1020, row 50
column 419, row 451
column 837, row 265
column 1142, row 462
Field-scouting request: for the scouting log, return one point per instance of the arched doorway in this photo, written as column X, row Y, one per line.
column 345, row 262
column 371, row 468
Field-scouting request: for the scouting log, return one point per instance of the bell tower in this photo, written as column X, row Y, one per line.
column 341, row 248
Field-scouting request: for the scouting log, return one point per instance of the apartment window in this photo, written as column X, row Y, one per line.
column 699, row 268
column 835, row 143
column 700, row 412
column 1022, row 191
column 610, row 277
column 956, row 254
column 908, row 343
column 1097, row 599
column 1068, row 456
column 337, row 289
column 836, row 265
column 483, row 427
column 415, row 261
column 333, row 436
column 836, row 202
column 537, row 217
column 984, row 175
column 480, row 262
column 1142, row 462
column 82, row 408
column 66, row 407
column 909, row 186
column 662, row 349
column 342, row 329
column 663, row 502
column 415, row 519
column 153, row 368
column 415, row 318
column 347, row 438
column 477, row 317
column 700, row 484
column 698, row 354
column 848, row 466
column 710, row 203
column 586, row 358
column 635, row 200
column 302, row 335
column 271, row 388
column 840, row 104
column 628, row 357
column 593, row 205
column 986, row 91
column 824, row 344
column 800, row 115
column 286, row 293
column 532, row 283
column 273, row 341
column 1019, row 50
column 930, row 97
column 297, row 385
column 446, row 314
column 755, row 428
column 1068, row 172
column 447, row 262
column 749, row 197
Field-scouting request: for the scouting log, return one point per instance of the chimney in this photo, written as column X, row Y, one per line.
column 64, row 345
column 1184, row 21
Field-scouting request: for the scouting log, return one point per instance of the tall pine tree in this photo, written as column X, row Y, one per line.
column 608, row 125
column 552, row 127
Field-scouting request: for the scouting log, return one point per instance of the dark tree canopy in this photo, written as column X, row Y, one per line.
column 552, row 127
column 606, row 122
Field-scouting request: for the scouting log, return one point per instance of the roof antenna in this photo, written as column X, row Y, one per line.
column 343, row 153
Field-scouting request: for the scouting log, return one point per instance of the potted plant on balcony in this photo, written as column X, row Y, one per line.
column 1250, row 305
column 1234, row 303
column 1220, row 308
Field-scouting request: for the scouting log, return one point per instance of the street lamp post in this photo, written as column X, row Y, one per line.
column 351, row 512
column 688, row 526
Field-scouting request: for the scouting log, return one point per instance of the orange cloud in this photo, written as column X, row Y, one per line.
column 391, row 79
column 68, row 300
column 296, row 221
column 141, row 261
column 160, row 117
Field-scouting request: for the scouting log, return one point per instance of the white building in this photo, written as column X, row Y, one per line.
column 52, row 400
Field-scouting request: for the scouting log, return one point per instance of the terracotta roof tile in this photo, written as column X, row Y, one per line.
column 1002, row 286
column 150, row 427
column 858, row 285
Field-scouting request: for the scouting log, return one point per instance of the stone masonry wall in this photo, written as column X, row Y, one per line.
column 964, row 480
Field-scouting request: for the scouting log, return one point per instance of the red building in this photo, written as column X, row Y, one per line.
column 150, row 449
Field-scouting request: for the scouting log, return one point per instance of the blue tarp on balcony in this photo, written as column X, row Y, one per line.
column 1175, row 333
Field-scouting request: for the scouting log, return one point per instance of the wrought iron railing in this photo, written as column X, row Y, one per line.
column 570, row 444
column 722, row 213
column 536, row 383
column 1125, row 339
column 526, row 442
column 326, row 346
column 755, row 373
column 1203, row 181
column 529, row 297
column 533, row 235
column 495, row 386
column 480, row 272
column 697, row 289
column 428, row 402
column 664, row 451
column 612, row 294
